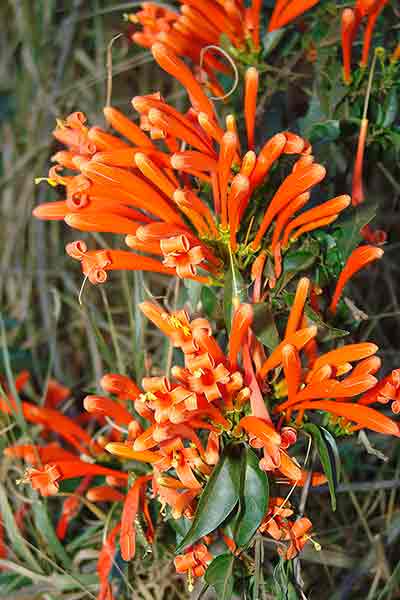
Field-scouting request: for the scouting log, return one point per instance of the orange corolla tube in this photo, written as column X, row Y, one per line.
column 241, row 322
column 71, row 507
column 256, row 7
column 269, row 153
column 237, row 201
column 145, row 195
column 154, row 174
column 329, row 388
column 311, row 226
column 358, row 259
column 226, row 156
column 104, row 493
column 369, row 30
column 286, row 11
column 193, row 160
column 108, row 408
column 328, row 209
column 170, row 63
column 357, row 185
column 289, row 468
column 101, row 222
column 297, row 309
column 348, row 23
column 368, row 366
column 57, row 422
column 105, row 141
column 189, row 197
column 126, row 127
column 284, row 216
column 125, row 451
column 349, row 353
column 261, row 429
column 292, row 369
column 39, row 454
column 359, row 414
column 129, row 513
column 96, row 263
column 298, row 339
column 120, row 385
column 177, row 126
column 295, row 184
column 250, row 103
column 105, row 563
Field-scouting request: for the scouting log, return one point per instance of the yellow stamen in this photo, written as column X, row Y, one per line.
column 48, row 180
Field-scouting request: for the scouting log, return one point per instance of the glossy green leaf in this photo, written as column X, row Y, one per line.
column 219, row 498
column 391, row 109
column 326, row 332
column 326, row 131
column 220, row 575
column 233, row 293
column 348, row 235
column 254, row 499
column 264, row 326
column 209, row 300
column 297, row 261
column 272, row 39
column 181, row 527
column 326, row 455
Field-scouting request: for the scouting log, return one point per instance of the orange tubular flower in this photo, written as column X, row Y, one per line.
column 348, row 22
column 286, row 11
column 71, row 508
column 194, row 561
column 362, row 416
column 351, row 21
column 250, row 103
column 129, row 513
column 357, row 184
column 104, row 493
column 359, row 258
column 46, row 479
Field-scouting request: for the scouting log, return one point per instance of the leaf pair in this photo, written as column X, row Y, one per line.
column 238, row 483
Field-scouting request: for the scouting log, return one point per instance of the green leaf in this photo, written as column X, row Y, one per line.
column 193, row 289
column 233, row 293
column 348, row 235
column 326, row 455
column 272, row 39
column 326, row 332
column 264, row 326
column 46, row 531
column 391, row 108
column 19, row 545
column 326, row 131
column 209, row 300
column 254, row 499
column 181, row 527
column 297, row 261
column 219, row 575
column 219, row 498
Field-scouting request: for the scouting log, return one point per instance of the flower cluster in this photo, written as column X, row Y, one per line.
column 196, row 31
column 148, row 195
